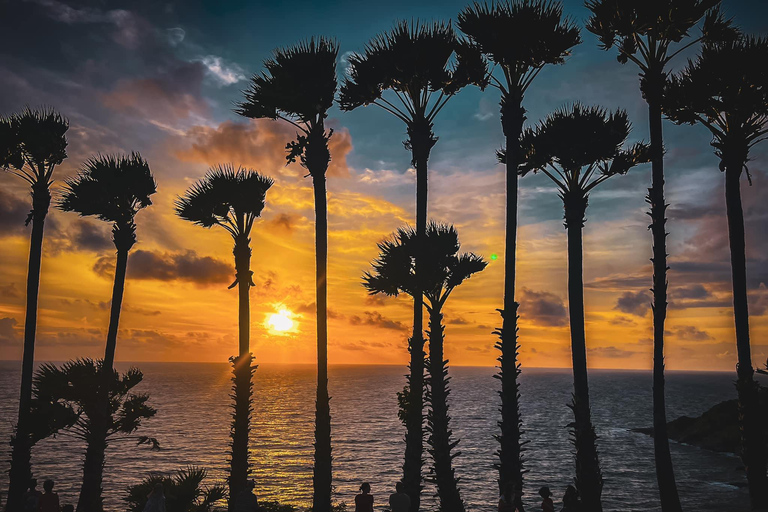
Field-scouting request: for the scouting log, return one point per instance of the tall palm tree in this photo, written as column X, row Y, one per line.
column 443, row 269
column 726, row 90
column 35, row 143
column 422, row 66
column 113, row 189
column 579, row 148
column 298, row 86
column 520, row 38
column 651, row 35
column 233, row 199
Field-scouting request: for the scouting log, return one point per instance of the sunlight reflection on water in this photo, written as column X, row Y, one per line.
column 194, row 416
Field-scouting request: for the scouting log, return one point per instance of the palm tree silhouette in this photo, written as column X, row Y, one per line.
column 726, row 91
column 648, row 34
column 299, row 86
column 233, row 199
column 579, row 148
column 519, row 38
column 113, row 189
column 184, row 491
column 395, row 272
column 33, row 143
column 423, row 66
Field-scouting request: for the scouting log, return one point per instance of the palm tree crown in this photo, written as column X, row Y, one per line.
column 227, row 197
column 394, row 271
column 38, row 144
column 724, row 90
column 415, row 61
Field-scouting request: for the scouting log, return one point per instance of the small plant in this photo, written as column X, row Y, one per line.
column 183, row 491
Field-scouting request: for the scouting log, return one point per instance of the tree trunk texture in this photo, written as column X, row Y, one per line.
column 665, row 475
column 90, row 499
column 589, row 479
column 511, row 448
column 438, row 420
column 753, row 449
column 21, row 465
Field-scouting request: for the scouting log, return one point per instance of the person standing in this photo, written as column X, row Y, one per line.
column 32, row 497
column 547, row 505
column 399, row 501
column 364, row 500
column 246, row 501
column 49, row 501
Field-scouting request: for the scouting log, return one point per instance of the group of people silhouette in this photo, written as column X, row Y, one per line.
column 46, row 501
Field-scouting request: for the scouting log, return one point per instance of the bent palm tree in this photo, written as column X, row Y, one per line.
column 726, row 90
column 233, row 199
column 416, row 64
column 578, row 148
column 298, row 86
column 113, row 189
column 520, row 38
column 34, row 144
column 646, row 34
column 395, row 272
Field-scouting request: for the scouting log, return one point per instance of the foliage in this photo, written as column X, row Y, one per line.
column 66, row 398
column 38, row 144
column 183, row 492
column 394, row 271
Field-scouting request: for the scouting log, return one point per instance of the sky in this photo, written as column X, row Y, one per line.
column 162, row 78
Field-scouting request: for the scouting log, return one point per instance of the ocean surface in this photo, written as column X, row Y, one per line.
column 193, row 421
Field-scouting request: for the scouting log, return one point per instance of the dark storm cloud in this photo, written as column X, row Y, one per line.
column 8, row 334
column 634, row 303
column 543, row 308
column 90, row 237
column 13, row 213
column 185, row 266
column 690, row 333
column 376, row 319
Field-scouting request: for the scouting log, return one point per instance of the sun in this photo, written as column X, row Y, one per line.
column 280, row 321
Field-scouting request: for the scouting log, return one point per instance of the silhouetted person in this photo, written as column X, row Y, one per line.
column 68, row 508
column 399, row 501
column 364, row 500
column 32, row 497
column 156, row 499
column 49, row 501
column 547, row 505
column 571, row 501
column 246, row 501
column 507, row 499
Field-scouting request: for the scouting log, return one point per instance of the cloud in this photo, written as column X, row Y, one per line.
column 259, row 144
column 694, row 291
column 611, row 352
column 175, row 35
column 8, row 335
column 622, row 320
column 85, row 235
column 224, row 74
column 690, row 333
column 458, row 320
column 13, row 213
column 543, row 308
column 378, row 320
column 284, row 222
column 185, row 266
column 634, row 303
column 311, row 309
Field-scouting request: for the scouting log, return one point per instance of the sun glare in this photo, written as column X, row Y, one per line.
column 280, row 321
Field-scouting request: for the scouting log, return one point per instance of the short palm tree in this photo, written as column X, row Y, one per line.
column 726, row 91
column 411, row 72
column 233, row 199
column 520, row 38
column 113, row 189
column 299, row 86
column 32, row 144
column 395, row 272
column 184, row 491
column 579, row 148
column 650, row 35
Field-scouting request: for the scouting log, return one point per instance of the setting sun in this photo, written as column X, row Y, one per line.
column 280, row 321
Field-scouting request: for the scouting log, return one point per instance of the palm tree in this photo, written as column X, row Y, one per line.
column 648, row 34
column 423, row 66
column 69, row 399
column 520, row 38
column 579, row 148
column 298, row 86
column 113, row 189
column 35, row 143
column 395, row 272
column 184, row 491
column 726, row 91
column 233, row 199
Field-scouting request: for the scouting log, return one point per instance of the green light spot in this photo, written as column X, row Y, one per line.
column 494, row 256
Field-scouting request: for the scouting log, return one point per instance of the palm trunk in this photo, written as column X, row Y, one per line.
column 510, row 445
column 665, row 475
column 21, row 465
column 421, row 141
column 90, row 499
column 438, row 420
column 243, row 386
column 753, row 450
column 322, row 475
column 589, row 480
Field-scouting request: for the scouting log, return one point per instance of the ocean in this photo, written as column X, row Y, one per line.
column 193, row 422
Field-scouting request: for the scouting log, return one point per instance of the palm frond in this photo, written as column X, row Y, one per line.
column 10, row 148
